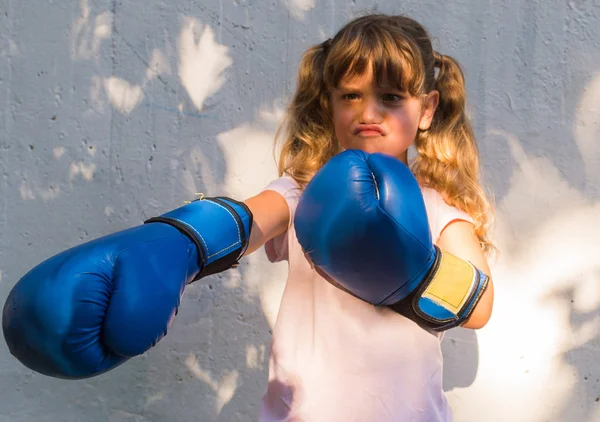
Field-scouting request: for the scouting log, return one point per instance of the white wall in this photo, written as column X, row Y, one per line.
column 114, row 111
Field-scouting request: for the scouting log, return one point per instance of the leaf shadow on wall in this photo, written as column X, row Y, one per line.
column 156, row 91
column 543, row 339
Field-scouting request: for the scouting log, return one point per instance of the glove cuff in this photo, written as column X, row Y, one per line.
column 448, row 294
column 219, row 227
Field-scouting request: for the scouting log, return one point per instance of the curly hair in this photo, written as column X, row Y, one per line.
column 399, row 49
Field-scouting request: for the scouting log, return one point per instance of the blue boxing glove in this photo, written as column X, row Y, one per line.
column 90, row 308
column 362, row 221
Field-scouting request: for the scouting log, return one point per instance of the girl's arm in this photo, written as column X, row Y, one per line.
column 459, row 239
column 271, row 216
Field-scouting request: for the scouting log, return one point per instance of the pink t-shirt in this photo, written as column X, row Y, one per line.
column 336, row 358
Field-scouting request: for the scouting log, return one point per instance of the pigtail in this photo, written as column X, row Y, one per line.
column 307, row 131
column 399, row 50
column 447, row 158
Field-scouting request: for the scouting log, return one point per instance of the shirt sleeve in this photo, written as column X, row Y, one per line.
column 277, row 247
column 440, row 214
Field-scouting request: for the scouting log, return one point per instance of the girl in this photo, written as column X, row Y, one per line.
column 377, row 86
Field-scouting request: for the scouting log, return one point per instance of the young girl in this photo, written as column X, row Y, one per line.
column 377, row 86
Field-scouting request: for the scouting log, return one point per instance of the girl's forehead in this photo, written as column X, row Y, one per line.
column 366, row 78
column 353, row 77
column 397, row 71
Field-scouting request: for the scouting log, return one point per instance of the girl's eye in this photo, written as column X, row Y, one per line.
column 392, row 98
column 350, row 97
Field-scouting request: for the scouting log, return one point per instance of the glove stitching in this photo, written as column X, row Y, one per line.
column 239, row 241
column 224, row 249
column 209, row 255
column 195, row 231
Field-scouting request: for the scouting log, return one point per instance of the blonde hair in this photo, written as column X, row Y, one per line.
column 399, row 50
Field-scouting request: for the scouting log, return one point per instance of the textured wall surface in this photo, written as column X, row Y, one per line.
column 114, row 111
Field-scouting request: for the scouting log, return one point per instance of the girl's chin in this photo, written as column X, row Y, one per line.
column 371, row 149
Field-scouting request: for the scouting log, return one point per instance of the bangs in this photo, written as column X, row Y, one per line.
column 395, row 61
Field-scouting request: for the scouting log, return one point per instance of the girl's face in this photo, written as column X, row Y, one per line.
column 378, row 118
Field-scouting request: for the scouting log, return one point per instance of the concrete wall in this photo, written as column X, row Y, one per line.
column 114, row 111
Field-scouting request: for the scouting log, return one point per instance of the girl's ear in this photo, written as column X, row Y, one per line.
column 429, row 106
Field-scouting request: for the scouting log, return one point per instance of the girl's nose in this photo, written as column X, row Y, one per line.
column 371, row 112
